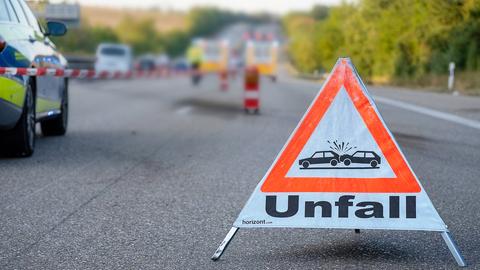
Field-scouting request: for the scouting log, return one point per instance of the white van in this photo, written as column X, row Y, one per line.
column 113, row 57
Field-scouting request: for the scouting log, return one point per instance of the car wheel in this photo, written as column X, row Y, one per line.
column 373, row 163
column 347, row 162
column 333, row 162
column 20, row 141
column 305, row 164
column 58, row 125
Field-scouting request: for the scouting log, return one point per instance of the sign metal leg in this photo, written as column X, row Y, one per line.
column 453, row 249
column 224, row 243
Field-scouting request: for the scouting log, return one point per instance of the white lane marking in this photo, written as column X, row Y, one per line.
column 409, row 107
column 184, row 110
column 433, row 113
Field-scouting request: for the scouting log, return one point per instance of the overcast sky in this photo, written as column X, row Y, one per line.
column 275, row 6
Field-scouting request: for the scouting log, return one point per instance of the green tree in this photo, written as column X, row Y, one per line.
column 320, row 12
column 84, row 40
column 141, row 35
column 388, row 39
column 176, row 42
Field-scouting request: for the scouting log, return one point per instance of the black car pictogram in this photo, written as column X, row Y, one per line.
column 320, row 157
column 363, row 157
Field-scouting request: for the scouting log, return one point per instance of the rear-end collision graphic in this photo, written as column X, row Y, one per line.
column 341, row 156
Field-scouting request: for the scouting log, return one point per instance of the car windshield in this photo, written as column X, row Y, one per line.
column 263, row 52
column 112, row 51
column 3, row 11
column 212, row 52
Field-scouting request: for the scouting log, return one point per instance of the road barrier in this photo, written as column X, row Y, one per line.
column 251, row 83
column 89, row 73
column 252, row 94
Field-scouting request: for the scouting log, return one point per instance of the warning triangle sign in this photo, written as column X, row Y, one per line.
column 341, row 168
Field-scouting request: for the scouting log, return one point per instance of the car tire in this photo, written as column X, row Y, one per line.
column 58, row 125
column 347, row 162
column 305, row 164
column 333, row 162
column 20, row 141
column 373, row 163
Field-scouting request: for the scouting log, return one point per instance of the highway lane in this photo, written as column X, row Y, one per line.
column 152, row 173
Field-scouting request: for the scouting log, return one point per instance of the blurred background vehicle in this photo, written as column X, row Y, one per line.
column 151, row 62
column 26, row 100
column 146, row 62
column 264, row 55
column 114, row 58
column 162, row 61
column 180, row 64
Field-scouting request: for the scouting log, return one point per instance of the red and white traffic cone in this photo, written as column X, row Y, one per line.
column 252, row 93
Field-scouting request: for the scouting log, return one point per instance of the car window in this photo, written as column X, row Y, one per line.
column 212, row 52
column 318, row 155
column 262, row 52
column 328, row 154
column 369, row 155
column 30, row 17
column 359, row 154
column 111, row 51
column 11, row 12
column 4, row 16
column 19, row 12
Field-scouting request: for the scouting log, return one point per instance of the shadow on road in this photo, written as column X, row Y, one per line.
column 222, row 109
column 353, row 251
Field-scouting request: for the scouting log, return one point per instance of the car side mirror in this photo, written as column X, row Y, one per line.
column 56, row 29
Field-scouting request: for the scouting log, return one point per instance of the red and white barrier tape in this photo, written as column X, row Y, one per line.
column 87, row 73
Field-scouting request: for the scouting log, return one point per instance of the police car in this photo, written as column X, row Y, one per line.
column 25, row 100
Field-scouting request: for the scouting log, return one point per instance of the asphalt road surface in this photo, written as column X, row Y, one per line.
column 152, row 174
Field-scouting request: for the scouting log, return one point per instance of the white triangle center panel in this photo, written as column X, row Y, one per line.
column 341, row 146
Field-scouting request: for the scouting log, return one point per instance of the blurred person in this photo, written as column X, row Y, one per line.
column 194, row 56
